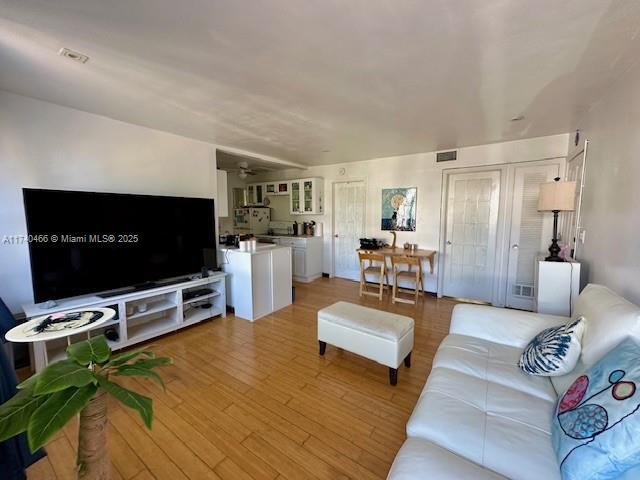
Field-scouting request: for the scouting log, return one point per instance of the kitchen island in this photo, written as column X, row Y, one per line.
column 259, row 281
column 306, row 254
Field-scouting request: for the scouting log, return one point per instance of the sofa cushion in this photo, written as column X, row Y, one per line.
column 609, row 320
column 561, row 383
column 554, row 351
column 490, row 361
column 596, row 426
column 498, row 427
column 419, row 459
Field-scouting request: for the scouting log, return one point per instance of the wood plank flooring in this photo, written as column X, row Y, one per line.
column 255, row 401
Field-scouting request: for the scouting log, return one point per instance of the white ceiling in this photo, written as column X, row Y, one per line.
column 292, row 78
column 229, row 161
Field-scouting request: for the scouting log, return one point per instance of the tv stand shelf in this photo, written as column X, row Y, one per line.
column 140, row 315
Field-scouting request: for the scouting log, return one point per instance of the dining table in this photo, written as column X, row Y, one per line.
column 428, row 255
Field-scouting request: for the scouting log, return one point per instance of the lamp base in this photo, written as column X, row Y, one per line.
column 554, row 250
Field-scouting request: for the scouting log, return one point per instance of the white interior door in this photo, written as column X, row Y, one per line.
column 473, row 201
column 348, row 228
column 530, row 232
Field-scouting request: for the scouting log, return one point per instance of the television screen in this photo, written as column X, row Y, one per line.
column 84, row 242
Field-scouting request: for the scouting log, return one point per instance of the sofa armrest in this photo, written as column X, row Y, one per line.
column 501, row 325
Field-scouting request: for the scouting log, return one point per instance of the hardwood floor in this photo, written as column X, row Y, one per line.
column 256, row 401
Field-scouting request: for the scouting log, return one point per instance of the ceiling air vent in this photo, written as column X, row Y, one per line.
column 446, row 156
column 72, row 55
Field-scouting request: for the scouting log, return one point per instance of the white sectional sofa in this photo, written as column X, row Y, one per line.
column 479, row 416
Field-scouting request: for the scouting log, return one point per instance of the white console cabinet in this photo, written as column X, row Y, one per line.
column 166, row 311
column 557, row 287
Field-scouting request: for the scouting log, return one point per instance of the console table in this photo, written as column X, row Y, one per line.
column 165, row 312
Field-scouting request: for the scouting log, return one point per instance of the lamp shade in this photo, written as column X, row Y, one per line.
column 559, row 196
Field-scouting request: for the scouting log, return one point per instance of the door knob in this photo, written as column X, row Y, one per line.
column 448, row 242
column 515, row 246
column 336, row 235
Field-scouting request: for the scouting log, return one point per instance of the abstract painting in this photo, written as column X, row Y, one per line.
column 399, row 209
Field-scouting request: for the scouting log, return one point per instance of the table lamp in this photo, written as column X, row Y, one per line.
column 556, row 197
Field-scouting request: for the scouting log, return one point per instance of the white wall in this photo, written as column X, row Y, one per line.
column 419, row 170
column 43, row 145
column 611, row 198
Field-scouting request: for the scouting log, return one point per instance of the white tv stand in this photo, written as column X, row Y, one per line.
column 166, row 312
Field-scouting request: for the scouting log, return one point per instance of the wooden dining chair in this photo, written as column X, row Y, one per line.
column 410, row 273
column 376, row 266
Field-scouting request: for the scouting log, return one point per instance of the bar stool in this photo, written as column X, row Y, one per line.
column 409, row 273
column 378, row 270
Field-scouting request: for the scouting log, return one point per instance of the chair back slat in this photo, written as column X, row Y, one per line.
column 371, row 257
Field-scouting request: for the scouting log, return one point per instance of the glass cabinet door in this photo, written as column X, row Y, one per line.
column 251, row 199
column 308, row 196
column 259, row 194
column 295, row 196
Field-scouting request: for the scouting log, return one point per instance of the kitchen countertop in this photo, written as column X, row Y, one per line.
column 261, row 248
column 286, row 236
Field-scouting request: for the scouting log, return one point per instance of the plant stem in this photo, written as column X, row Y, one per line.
column 93, row 459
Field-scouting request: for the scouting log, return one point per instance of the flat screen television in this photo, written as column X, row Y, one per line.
column 88, row 242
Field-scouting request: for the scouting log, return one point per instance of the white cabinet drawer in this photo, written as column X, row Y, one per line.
column 293, row 242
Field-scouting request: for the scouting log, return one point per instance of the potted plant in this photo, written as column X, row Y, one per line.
column 80, row 384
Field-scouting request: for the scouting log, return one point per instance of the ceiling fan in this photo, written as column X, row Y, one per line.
column 244, row 170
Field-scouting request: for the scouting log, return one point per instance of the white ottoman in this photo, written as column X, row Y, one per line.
column 383, row 337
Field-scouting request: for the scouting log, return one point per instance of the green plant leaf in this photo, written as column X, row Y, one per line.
column 16, row 412
column 143, row 405
column 134, row 371
column 29, row 382
column 55, row 412
column 94, row 350
column 62, row 375
column 126, row 356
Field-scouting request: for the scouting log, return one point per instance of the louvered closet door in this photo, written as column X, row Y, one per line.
column 530, row 234
column 470, row 250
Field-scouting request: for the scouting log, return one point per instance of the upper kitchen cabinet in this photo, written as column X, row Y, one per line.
column 276, row 188
column 222, row 199
column 306, row 196
column 255, row 193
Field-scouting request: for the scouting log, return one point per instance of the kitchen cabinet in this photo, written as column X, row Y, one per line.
column 282, row 188
column 299, row 258
column 259, row 281
column 255, row 193
column 269, row 188
column 276, row 188
column 306, row 257
column 306, row 196
column 222, row 200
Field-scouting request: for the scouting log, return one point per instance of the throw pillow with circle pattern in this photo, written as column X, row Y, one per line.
column 554, row 351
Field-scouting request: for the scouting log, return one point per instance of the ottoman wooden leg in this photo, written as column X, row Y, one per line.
column 407, row 360
column 393, row 376
column 323, row 346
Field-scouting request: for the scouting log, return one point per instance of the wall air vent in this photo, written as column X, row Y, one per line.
column 72, row 55
column 446, row 156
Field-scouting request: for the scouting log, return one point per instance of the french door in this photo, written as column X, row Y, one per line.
column 348, row 227
column 530, row 233
column 473, row 201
